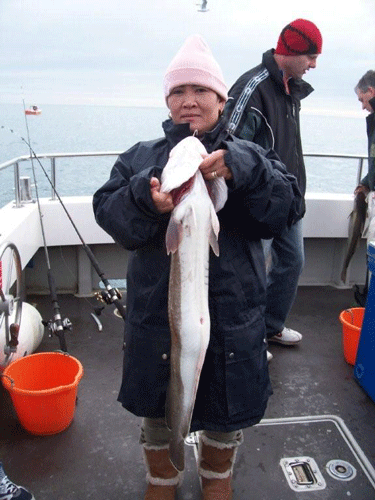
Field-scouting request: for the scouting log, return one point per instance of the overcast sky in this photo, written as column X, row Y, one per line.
column 116, row 51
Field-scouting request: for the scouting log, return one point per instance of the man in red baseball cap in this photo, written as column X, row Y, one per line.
column 263, row 107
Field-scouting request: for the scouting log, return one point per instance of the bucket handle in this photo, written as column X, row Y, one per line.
column 7, row 376
column 12, row 382
column 351, row 314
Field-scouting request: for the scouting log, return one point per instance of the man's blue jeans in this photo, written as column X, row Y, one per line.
column 288, row 257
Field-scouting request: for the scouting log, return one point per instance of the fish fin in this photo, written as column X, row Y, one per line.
column 214, row 232
column 174, row 235
column 214, row 244
column 218, row 191
column 175, row 229
column 186, row 422
column 178, row 431
column 168, row 408
column 177, row 441
column 174, row 390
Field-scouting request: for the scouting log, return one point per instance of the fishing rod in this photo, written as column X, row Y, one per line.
column 56, row 325
column 109, row 295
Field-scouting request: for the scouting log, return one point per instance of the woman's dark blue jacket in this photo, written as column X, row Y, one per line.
column 262, row 199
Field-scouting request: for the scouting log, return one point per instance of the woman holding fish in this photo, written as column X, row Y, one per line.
column 195, row 348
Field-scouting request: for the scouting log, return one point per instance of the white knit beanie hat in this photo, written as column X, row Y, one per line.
column 194, row 64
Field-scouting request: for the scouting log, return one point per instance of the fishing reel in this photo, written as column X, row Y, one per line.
column 55, row 326
column 58, row 326
column 108, row 296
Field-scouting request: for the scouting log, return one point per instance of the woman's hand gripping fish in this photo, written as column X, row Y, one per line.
column 192, row 229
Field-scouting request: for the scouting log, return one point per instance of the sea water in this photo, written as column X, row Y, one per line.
column 85, row 128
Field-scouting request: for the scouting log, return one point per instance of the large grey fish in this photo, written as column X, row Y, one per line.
column 192, row 229
column 356, row 228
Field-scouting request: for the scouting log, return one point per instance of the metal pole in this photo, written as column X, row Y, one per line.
column 359, row 172
column 17, row 184
column 53, row 177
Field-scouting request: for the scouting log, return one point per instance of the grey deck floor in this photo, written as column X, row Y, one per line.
column 98, row 457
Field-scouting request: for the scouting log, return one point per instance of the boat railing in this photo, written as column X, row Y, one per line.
column 15, row 163
column 360, row 158
column 52, row 157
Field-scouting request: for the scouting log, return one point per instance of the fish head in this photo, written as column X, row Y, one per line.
column 183, row 162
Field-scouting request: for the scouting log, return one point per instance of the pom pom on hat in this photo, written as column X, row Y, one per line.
column 298, row 38
column 194, row 64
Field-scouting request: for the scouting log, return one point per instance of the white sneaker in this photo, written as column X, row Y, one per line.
column 287, row 336
column 10, row 491
column 269, row 356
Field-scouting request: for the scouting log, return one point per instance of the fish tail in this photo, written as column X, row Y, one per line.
column 177, row 453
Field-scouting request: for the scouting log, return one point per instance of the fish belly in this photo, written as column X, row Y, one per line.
column 190, row 325
column 190, row 335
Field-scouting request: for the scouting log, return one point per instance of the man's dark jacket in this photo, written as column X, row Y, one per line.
column 369, row 179
column 260, row 110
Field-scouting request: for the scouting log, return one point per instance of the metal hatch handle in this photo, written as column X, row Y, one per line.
column 303, row 473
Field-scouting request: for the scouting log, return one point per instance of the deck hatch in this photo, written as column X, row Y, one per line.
column 302, row 474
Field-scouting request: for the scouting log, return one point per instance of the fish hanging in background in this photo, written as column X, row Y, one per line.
column 356, row 229
column 192, row 230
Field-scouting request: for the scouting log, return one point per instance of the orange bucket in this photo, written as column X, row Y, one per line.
column 43, row 388
column 351, row 320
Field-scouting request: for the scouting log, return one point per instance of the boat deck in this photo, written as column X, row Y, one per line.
column 98, row 457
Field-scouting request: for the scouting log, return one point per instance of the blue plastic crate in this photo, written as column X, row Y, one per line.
column 364, row 369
